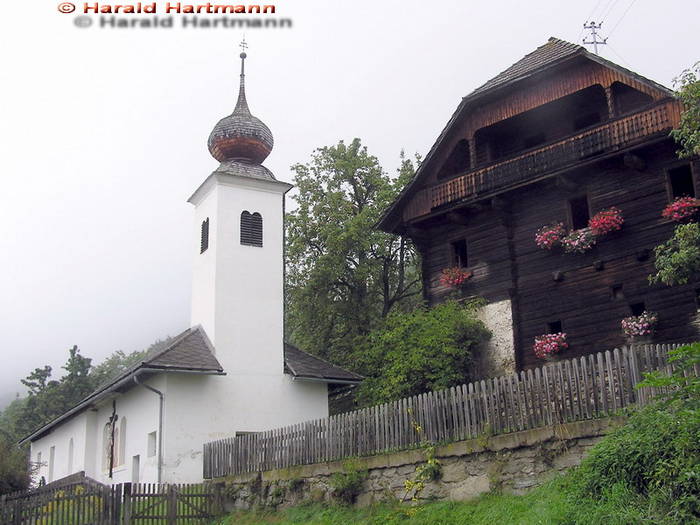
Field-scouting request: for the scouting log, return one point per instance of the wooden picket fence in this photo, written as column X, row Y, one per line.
column 589, row 387
column 122, row 504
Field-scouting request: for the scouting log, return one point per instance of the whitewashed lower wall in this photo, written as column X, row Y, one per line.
column 497, row 356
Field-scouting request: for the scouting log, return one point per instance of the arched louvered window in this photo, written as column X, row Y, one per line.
column 204, row 240
column 251, row 229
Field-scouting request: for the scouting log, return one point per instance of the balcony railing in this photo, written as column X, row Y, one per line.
column 612, row 136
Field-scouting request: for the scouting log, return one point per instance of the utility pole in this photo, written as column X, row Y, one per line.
column 592, row 27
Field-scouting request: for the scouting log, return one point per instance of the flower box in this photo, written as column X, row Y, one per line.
column 606, row 221
column 548, row 345
column 455, row 276
column 640, row 325
column 549, row 236
column 579, row 241
column 682, row 209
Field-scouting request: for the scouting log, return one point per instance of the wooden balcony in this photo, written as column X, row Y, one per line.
column 612, row 136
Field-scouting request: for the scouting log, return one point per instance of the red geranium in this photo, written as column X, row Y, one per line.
column 681, row 209
column 549, row 344
column 550, row 235
column 454, row 276
column 606, row 221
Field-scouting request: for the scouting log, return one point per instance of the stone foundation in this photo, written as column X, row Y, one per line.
column 513, row 463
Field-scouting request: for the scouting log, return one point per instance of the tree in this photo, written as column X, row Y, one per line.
column 343, row 274
column 15, row 473
column 688, row 132
column 678, row 259
column 116, row 364
column 426, row 349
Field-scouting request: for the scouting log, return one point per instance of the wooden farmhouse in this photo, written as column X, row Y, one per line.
column 557, row 137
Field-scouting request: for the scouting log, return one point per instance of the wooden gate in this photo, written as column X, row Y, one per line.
column 169, row 504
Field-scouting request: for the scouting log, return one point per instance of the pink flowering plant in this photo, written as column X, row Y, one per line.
column 682, row 209
column 640, row 325
column 606, row 221
column 549, row 344
column 579, row 241
column 550, row 235
column 454, row 277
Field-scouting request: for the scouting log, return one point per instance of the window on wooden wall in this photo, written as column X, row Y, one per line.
column 616, row 292
column 458, row 162
column 460, row 256
column 251, row 229
column 554, row 327
column 204, row 238
column 637, row 308
column 680, row 181
column 579, row 212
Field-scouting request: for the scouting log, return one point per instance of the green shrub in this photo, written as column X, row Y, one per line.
column 426, row 349
column 656, row 455
column 347, row 485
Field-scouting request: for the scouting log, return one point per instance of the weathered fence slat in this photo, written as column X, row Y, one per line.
column 592, row 386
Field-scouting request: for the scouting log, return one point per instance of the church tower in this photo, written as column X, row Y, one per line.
column 237, row 292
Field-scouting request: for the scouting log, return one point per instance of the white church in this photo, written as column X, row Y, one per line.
column 230, row 372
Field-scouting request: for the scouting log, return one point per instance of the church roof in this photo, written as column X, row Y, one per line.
column 549, row 55
column 190, row 351
column 306, row 366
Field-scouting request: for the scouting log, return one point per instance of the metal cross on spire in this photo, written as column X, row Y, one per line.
column 243, row 45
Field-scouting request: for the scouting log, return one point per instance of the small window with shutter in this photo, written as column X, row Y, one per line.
column 204, row 239
column 251, row 229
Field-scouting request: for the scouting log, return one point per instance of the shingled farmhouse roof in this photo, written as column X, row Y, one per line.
column 306, row 366
column 550, row 55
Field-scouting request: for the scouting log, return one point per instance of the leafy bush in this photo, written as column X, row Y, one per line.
column 678, row 259
column 656, row 455
column 346, row 485
column 427, row 349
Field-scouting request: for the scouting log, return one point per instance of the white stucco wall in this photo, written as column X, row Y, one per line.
column 60, row 438
column 138, row 406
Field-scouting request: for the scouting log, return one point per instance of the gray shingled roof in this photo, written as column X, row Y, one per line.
column 245, row 169
column 547, row 54
column 552, row 53
column 306, row 366
column 190, row 351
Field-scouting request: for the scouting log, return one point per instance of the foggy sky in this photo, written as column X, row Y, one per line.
column 103, row 135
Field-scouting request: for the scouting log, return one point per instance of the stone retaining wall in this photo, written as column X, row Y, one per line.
column 512, row 462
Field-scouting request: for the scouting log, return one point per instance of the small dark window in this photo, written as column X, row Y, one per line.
column 459, row 254
column 579, row 212
column 586, row 120
column 251, row 229
column 554, row 327
column 204, row 239
column 681, row 180
column 637, row 308
column 616, row 292
column 534, row 140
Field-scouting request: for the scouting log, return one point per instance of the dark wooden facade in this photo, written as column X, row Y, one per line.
column 559, row 131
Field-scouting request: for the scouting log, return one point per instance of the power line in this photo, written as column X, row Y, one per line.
column 607, row 13
column 622, row 17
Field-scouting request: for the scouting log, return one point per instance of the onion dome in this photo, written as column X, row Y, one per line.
column 240, row 137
